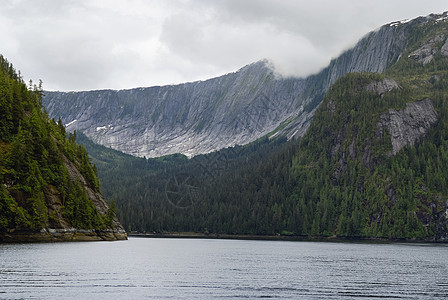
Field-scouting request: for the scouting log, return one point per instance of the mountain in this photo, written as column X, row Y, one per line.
column 190, row 118
column 372, row 163
column 49, row 190
column 234, row 109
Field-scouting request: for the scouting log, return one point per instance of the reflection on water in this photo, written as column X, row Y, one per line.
column 204, row 269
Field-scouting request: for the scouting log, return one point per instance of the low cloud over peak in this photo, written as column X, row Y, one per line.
column 95, row 44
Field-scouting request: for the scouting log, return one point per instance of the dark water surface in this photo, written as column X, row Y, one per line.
column 223, row 269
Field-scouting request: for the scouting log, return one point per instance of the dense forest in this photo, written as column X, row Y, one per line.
column 352, row 184
column 341, row 179
column 36, row 188
column 228, row 191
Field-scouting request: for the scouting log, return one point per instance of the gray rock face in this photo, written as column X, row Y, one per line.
column 409, row 125
column 382, row 87
column 191, row 118
column 444, row 49
column 117, row 231
column 237, row 108
column 425, row 54
column 374, row 53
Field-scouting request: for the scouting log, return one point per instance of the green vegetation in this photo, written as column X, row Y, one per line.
column 235, row 190
column 350, row 185
column 340, row 179
column 36, row 187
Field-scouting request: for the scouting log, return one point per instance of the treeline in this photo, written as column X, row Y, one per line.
column 353, row 186
column 36, row 190
column 340, row 179
column 302, row 187
column 235, row 190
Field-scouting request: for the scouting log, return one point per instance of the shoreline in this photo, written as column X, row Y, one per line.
column 49, row 235
column 194, row 235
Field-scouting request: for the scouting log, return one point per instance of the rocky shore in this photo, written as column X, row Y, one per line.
column 62, row 235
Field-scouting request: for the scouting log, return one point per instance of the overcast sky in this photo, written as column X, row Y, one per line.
column 117, row 44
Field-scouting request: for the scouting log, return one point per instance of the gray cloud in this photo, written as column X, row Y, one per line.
column 95, row 44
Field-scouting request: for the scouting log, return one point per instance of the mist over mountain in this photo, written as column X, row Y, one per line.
column 233, row 109
column 372, row 163
column 190, row 118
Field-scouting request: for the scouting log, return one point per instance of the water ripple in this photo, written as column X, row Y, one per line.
column 223, row 269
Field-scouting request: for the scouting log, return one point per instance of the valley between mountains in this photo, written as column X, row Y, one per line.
column 358, row 150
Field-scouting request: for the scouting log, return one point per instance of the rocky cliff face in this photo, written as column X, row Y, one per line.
column 238, row 108
column 425, row 54
column 191, row 118
column 58, row 228
column 114, row 232
column 409, row 125
column 383, row 86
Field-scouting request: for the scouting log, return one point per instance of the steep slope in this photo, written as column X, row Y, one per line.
column 48, row 188
column 237, row 108
column 190, row 118
column 373, row 161
column 357, row 170
column 371, row 165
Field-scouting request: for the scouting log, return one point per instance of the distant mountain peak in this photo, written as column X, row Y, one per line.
column 234, row 109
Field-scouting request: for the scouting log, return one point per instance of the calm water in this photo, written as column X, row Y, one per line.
column 226, row 269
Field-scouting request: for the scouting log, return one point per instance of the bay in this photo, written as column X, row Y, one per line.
column 223, row 269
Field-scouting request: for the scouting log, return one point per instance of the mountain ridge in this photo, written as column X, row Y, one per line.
column 233, row 109
column 163, row 123
column 372, row 163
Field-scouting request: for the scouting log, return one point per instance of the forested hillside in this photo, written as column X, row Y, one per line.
column 372, row 164
column 47, row 183
column 374, row 160
column 235, row 190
